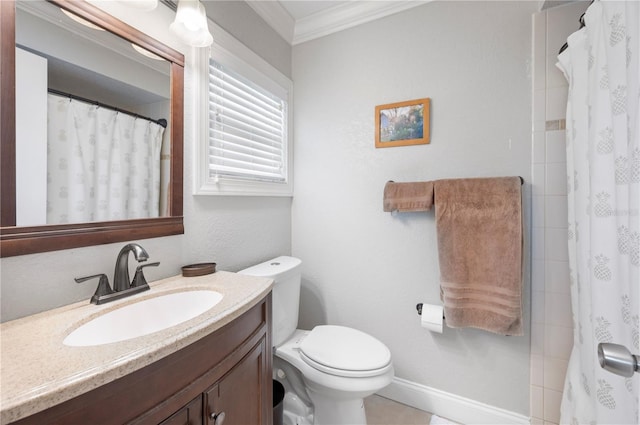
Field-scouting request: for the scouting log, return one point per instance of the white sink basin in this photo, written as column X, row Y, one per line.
column 143, row 317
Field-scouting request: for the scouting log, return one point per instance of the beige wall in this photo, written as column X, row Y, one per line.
column 365, row 268
column 239, row 20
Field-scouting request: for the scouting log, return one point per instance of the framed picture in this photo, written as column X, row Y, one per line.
column 402, row 123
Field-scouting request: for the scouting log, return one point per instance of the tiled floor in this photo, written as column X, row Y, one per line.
column 382, row 411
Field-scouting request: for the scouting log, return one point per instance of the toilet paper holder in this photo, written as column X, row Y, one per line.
column 419, row 308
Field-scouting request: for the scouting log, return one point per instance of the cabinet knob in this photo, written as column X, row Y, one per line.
column 217, row 418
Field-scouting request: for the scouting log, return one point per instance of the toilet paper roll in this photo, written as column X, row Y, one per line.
column 432, row 317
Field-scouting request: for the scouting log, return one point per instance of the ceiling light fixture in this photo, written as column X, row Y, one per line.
column 145, row 52
column 80, row 20
column 191, row 24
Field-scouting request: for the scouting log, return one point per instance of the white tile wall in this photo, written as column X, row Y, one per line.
column 551, row 405
column 537, row 308
column 558, row 341
column 536, row 400
column 538, row 277
column 537, row 339
column 556, row 102
column 556, row 277
column 555, row 243
column 554, row 371
column 556, row 178
column 555, row 212
column 555, row 147
column 539, row 146
column 538, row 176
column 557, row 310
column 551, row 328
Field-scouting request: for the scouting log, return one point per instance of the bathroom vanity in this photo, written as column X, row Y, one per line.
column 211, row 369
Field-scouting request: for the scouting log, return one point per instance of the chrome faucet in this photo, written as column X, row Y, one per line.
column 121, row 280
column 122, row 286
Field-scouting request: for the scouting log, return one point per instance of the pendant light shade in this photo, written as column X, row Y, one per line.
column 191, row 25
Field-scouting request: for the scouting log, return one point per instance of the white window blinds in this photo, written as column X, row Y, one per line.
column 247, row 129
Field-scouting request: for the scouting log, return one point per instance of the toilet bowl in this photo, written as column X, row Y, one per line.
column 328, row 370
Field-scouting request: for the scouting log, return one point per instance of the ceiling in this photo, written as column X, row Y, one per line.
column 298, row 21
column 301, row 9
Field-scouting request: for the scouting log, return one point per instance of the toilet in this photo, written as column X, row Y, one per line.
column 326, row 371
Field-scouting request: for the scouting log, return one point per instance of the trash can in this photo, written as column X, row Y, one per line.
column 278, row 403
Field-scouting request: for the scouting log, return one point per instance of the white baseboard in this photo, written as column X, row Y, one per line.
column 450, row 406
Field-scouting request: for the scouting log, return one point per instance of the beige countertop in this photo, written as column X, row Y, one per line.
column 38, row 371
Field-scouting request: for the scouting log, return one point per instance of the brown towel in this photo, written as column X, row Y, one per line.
column 479, row 226
column 404, row 197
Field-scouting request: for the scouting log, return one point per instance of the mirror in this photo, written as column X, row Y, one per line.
column 119, row 81
column 87, row 148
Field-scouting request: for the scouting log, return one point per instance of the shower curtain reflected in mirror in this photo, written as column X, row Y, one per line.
column 102, row 164
column 603, row 171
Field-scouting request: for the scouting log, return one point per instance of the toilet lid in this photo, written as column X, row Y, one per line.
column 337, row 348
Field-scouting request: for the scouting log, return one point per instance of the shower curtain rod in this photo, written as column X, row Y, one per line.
column 582, row 25
column 161, row 122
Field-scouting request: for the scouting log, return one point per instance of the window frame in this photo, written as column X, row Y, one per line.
column 246, row 63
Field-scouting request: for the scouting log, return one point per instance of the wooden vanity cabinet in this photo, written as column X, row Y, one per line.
column 191, row 414
column 227, row 371
column 238, row 394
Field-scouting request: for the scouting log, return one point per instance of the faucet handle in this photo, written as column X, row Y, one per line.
column 103, row 286
column 138, row 278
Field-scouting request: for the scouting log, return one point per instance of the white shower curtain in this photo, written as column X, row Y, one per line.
column 603, row 170
column 102, row 165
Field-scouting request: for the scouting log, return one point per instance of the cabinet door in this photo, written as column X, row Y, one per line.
column 239, row 398
column 191, row 414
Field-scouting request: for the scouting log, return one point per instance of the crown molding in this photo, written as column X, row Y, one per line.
column 346, row 16
column 276, row 16
column 328, row 21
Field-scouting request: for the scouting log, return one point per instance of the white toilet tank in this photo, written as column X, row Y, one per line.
column 285, row 272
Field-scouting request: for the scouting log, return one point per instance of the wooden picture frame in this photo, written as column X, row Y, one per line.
column 402, row 123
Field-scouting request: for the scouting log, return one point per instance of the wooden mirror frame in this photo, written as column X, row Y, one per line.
column 28, row 240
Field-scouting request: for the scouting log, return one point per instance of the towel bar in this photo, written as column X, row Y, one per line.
column 520, row 177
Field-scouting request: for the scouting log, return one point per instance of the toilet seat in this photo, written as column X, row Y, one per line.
column 342, row 351
column 336, row 394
